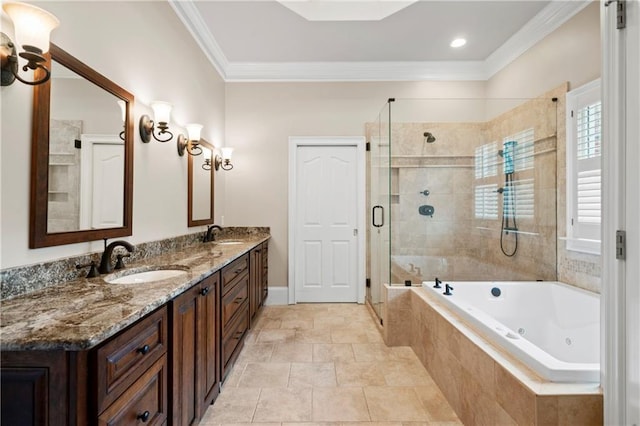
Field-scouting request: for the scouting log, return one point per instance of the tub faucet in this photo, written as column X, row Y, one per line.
column 105, row 262
column 210, row 235
column 437, row 284
column 447, row 290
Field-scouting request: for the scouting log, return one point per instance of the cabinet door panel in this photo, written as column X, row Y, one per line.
column 209, row 364
column 185, row 326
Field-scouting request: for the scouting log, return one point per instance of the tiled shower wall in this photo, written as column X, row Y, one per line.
column 453, row 244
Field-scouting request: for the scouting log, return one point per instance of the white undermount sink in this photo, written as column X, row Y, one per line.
column 146, row 276
column 229, row 242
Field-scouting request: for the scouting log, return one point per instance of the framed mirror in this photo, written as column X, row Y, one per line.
column 200, row 186
column 81, row 156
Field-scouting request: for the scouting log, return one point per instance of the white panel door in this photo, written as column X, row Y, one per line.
column 326, row 221
column 108, row 181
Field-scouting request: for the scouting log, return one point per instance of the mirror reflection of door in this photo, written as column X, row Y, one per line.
column 101, row 196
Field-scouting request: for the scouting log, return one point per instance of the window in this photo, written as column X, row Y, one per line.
column 486, row 199
column 486, row 160
column 584, row 147
column 523, row 194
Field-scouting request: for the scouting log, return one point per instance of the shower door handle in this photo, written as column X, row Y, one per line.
column 373, row 216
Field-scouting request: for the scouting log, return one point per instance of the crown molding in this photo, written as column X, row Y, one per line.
column 544, row 23
column 355, row 71
column 548, row 20
column 192, row 19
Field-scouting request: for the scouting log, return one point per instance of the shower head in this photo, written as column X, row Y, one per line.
column 429, row 138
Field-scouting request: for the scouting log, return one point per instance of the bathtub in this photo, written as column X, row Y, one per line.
column 551, row 327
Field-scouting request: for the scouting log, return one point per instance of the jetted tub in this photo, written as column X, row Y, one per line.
column 551, row 327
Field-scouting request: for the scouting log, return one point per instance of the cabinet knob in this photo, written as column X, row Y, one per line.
column 144, row 350
column 144, row 416
column 238, row 335
column 204, row 291
column 237, row 300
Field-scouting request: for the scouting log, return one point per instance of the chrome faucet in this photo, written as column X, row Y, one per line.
column 105, row 262
column 210, row 236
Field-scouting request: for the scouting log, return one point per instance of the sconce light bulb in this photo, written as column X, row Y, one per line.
column 32, row 25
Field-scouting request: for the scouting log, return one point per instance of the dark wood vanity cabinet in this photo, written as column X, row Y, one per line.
column 196, row 351
column 235, row 310
column 259, row 259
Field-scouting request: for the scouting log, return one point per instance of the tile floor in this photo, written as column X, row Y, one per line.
column 326, row 364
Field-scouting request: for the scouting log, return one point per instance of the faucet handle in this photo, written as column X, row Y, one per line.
column 119, row 261
column 437, row 284
column 93, row 270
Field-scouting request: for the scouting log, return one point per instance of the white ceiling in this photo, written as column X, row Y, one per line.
column 264, row 40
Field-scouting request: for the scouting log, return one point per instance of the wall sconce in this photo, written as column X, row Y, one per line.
column 123, row 110
column 32, row 27
column 224, row 161
column 191, row 144
column 207, row 160
column 162, row 116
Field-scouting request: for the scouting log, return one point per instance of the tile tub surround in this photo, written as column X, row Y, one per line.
column 83, row 312
column 483, row 384
column 25, row 279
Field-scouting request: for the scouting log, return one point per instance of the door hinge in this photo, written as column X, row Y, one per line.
column 355, row 232
column 77, row 143
column 368, row 146
column 621, row 245
column 621, row 12
column 368, row 282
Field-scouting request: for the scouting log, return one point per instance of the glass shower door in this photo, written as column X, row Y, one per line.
column 379, row 230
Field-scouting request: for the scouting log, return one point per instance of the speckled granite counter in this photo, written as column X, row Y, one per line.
column 80, row 314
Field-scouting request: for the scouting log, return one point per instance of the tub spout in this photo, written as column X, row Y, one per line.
column 447, row 290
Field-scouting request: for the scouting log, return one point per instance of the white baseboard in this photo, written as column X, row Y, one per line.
column 278, row 296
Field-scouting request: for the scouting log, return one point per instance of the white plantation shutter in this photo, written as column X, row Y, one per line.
column 486, row 201
column 486, row 160
column 584, row 169
column 523, row 153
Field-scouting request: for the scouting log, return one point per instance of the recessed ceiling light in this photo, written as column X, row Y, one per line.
column 459, row 42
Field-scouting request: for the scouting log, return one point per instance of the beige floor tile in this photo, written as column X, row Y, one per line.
column 297, row 323
column 328, row 322
column 265, row 375
column 349, row 335
column 399, row 404
column 404, row 353
column 317, row 374
column 359, row 374
column 369, row 352
column 333, row 352
column 267, row 323
column 339, row 405
column 320, row 335
column 372, row 424
column 313, row 424
column 292, row 352
column 276, row 336
column 233, row 405
column 233, row 378
column 258, row 352
column 284, row 405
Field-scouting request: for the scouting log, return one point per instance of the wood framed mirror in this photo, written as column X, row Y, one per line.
column 81, row 156
column 200, row 186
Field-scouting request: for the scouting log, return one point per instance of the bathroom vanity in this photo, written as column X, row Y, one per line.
column 93, row 352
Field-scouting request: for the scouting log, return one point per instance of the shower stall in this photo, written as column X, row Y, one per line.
column 463, row 190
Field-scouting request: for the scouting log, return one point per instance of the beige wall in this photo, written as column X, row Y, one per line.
column 149, row 52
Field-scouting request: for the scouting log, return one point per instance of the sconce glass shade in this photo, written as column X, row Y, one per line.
column 206, row 152
column 193, row 131
column 226, row 153
column 161, row 111
column 32, row 25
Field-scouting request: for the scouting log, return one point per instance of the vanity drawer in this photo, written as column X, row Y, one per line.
column 233, row 339
column 234, row 301
column 145, row 402
column 129, row 354
column 234, row 270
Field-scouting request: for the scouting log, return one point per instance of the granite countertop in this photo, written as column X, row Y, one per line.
column 82, row 313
